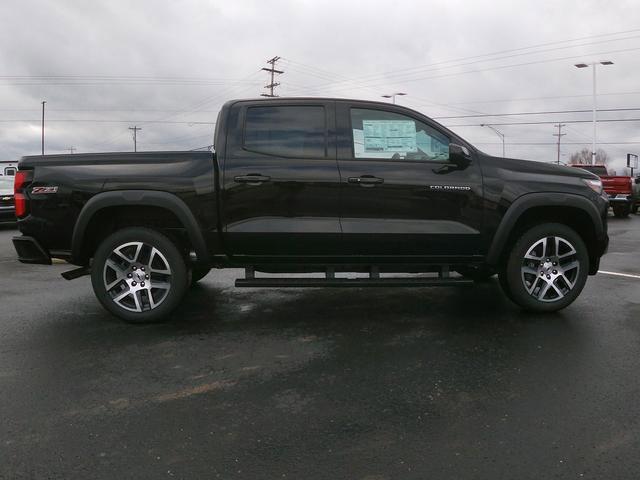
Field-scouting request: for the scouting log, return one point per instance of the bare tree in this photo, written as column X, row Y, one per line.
column 583, row 157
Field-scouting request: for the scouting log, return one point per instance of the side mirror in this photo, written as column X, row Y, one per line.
column 459, row 155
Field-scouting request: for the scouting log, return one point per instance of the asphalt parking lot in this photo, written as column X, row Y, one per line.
column 331, row 384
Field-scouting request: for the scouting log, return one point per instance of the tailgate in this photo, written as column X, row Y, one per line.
column 617, row 185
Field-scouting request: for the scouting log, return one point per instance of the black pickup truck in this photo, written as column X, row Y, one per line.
column 361, row 193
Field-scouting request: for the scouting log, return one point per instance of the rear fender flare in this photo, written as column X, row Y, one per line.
column 150, row 198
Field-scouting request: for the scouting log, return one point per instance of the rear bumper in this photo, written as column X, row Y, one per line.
column 30, row 251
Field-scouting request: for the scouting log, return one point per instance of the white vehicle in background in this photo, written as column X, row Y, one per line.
column 8, row 168
column 7, row 203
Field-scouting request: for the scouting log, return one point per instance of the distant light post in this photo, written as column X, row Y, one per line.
column 498, row 132
column 393, row 96
column 593, row 65
column 42, row 141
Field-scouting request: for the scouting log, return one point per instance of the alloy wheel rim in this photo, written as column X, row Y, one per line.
column 550, row 269
column 137, row 276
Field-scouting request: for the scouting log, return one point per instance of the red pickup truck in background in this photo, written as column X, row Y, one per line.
column 622, row 190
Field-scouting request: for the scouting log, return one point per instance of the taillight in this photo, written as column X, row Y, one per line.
column 22, row 178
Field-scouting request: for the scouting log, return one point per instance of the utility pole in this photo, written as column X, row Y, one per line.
column 135, row 137
column 72, row 150
column 559, row 135
column 42, row 141
column 272, row 70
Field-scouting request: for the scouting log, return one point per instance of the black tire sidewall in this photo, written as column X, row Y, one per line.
column 621, row 211
column 179, row 273
column 512, row 271
column 198, row 273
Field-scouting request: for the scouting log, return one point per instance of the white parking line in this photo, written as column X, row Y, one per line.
column 619, row 274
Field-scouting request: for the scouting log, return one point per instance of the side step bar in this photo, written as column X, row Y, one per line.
column 374, row 280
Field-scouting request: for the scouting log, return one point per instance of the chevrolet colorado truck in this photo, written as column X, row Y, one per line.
column 619, row 189
column 352, row 193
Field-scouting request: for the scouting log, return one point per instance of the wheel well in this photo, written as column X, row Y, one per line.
column 574, row 218
column 110, row 219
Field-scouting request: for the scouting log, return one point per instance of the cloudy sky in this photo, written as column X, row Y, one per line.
column 167, row 66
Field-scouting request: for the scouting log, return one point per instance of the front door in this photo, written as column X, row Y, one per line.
column 281, row 180
column 400, row 195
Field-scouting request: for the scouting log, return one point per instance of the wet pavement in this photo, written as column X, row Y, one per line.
column 329, row 384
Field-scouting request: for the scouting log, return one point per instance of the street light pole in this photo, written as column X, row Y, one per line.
column 42, row 140
column 593, row 65
column 499, row 133
column 393, row 96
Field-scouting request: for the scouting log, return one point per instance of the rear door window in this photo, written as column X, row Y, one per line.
column 296, row 131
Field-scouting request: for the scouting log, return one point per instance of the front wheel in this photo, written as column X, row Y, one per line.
column 547, row 268
column 139, row 275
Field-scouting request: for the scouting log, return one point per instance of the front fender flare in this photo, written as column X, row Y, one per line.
column 532, row 200
column 151, row 198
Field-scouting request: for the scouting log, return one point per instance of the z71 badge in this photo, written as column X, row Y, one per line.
column 43, row 190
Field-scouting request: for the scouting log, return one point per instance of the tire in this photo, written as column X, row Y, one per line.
column 198, row 273
column 621, row 211
column 477, row 274
column 539, row 285
column 634, row 209
column 139, row 275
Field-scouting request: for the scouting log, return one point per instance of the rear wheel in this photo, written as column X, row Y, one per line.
column 546, row 269
column 139, row 275
column 621, row 211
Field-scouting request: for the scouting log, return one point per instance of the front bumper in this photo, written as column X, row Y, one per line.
column 30, row 251
column 620, row 198
column 7, row 214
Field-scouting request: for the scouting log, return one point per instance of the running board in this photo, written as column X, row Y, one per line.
column 76, row 273
column 351, row 282
column 330, row 280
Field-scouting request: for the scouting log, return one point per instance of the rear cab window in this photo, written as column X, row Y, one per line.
column 294, row 131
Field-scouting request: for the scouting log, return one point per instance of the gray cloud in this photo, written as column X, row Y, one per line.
column 180, row 60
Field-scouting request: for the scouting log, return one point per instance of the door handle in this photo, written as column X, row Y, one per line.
column 252, row 178
column 366, row 180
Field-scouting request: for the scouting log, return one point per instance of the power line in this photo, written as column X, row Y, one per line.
column 95, row 120
column 272, row 71
column 548, row 112
column 493, row 54
column 555, row 143
column 550, row 122
column 416, row 70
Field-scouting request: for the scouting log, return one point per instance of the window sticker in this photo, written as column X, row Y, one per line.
column 389, row 136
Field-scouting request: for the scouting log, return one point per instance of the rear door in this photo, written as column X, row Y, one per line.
column 401, row 196
column 280, row 180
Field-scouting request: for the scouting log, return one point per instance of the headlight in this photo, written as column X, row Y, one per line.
column 595, row 185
